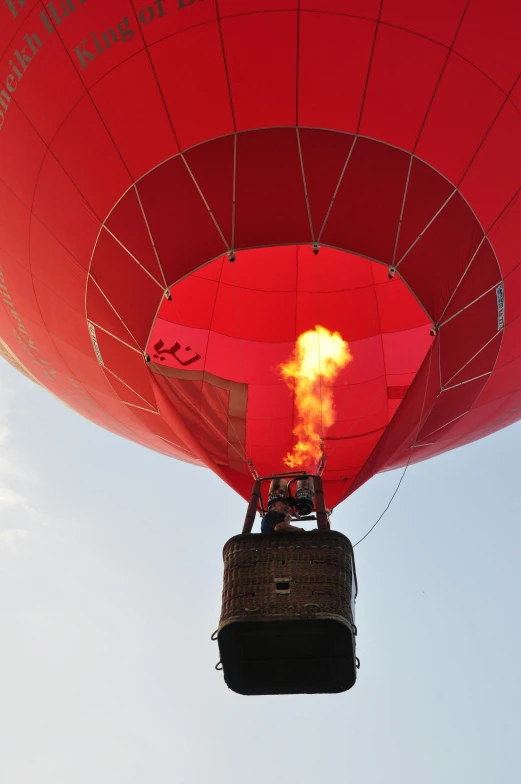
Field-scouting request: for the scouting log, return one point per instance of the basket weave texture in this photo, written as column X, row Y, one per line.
column 288, row 576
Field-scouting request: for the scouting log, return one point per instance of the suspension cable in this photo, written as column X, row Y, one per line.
column 402, row 477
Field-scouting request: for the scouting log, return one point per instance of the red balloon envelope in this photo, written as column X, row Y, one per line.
column 143, row 146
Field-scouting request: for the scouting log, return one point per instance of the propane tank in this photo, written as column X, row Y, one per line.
column 305, row 496
column 278, row 487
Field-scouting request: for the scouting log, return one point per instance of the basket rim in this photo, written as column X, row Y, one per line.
column 295, row 536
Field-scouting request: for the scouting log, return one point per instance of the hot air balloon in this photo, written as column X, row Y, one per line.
column 187, row 187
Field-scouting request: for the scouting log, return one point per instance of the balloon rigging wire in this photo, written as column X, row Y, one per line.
column 388, row 504
column 402, row 477
column 379, row 305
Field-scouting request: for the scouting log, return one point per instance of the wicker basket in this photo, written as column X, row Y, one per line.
column 287, row 620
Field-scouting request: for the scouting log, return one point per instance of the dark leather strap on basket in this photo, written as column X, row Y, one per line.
column 320, row 505
column 252, row 508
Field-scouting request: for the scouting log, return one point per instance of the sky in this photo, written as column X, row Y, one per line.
column 110, row 581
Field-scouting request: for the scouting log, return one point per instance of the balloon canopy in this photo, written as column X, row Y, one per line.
column 188, row 186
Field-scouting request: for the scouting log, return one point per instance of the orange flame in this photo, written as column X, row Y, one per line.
column 317, row 359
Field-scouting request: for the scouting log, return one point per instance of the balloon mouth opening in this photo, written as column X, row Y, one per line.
column 239, row 323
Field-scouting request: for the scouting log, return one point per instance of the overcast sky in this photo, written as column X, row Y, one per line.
column 110, row 580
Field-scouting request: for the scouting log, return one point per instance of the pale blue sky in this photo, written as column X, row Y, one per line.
column 110, row 579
